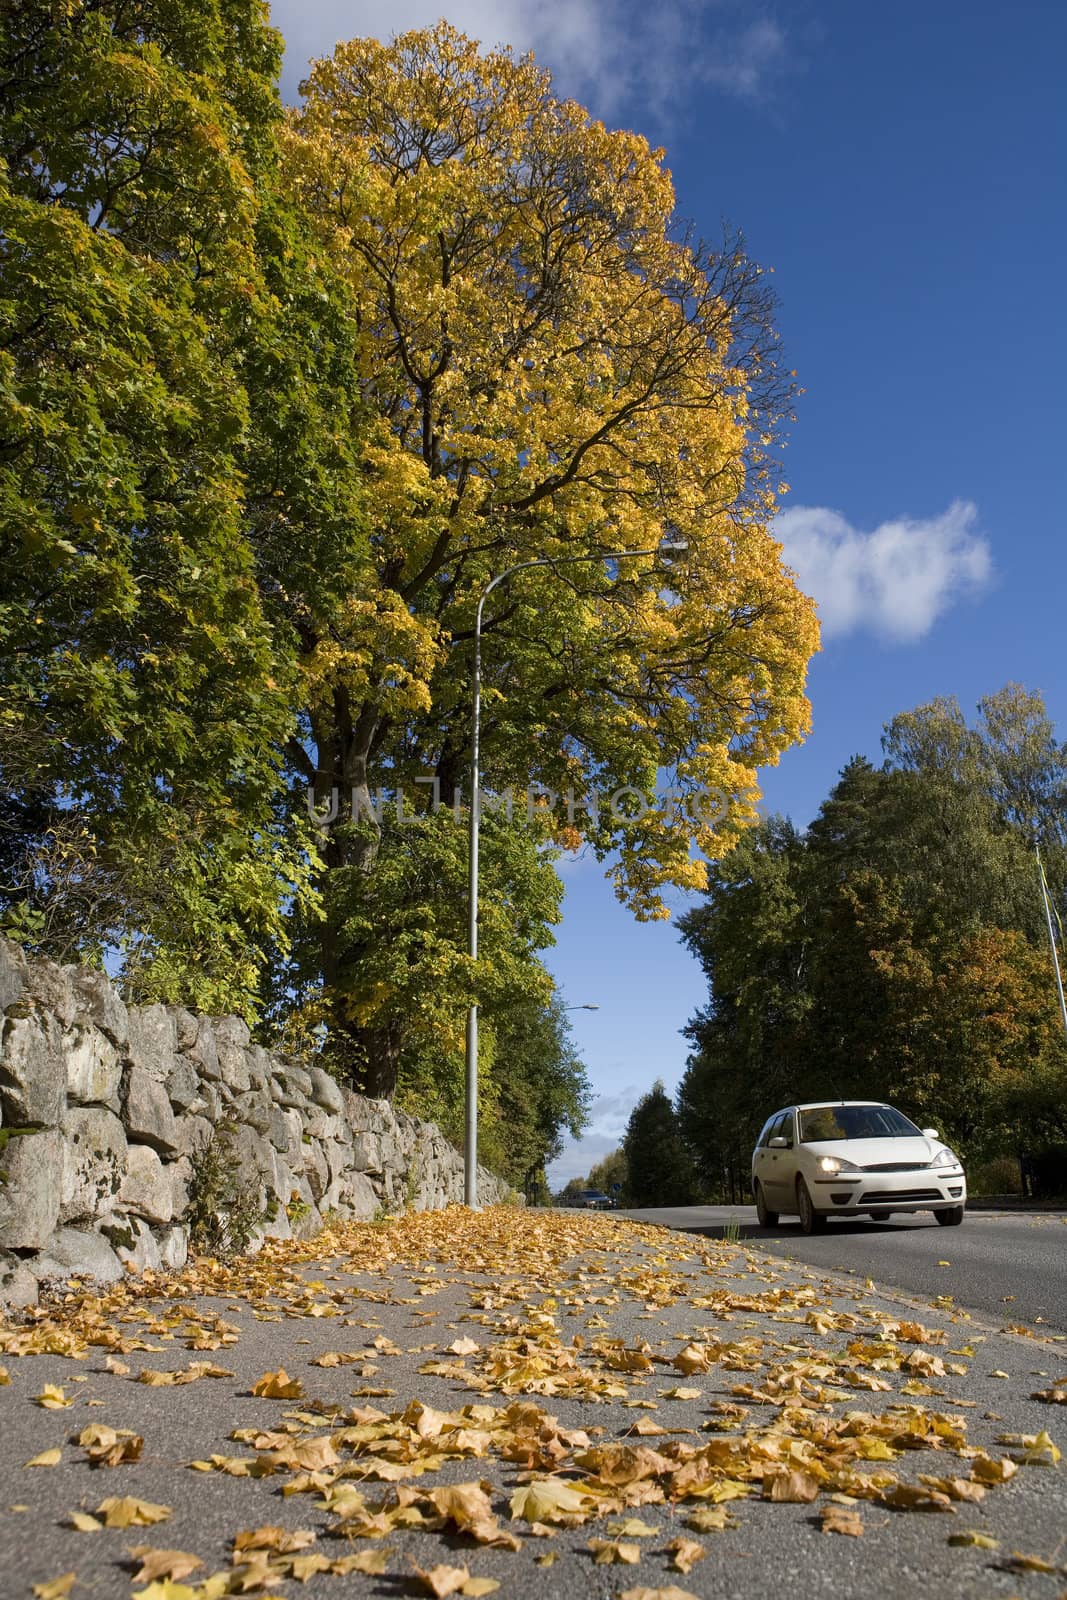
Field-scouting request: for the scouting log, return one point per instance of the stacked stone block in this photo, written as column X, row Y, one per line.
column 106, row 1110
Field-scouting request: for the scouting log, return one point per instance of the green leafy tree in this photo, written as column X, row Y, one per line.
column 659, row 1170
column 897, row 950
column 539, row 1093
column 609, row 1175
column 143, row 700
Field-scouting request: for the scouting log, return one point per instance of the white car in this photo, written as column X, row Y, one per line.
column 850, row 1157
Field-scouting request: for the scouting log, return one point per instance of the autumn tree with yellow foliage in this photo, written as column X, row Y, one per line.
column 546, row 365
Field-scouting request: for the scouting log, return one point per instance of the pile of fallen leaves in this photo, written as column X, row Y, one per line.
column 807, row 1402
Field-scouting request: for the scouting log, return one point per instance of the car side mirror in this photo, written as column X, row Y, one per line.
column 778, row 1143
column 930, row 1133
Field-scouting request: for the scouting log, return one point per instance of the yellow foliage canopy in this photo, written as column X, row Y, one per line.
column 549, row 368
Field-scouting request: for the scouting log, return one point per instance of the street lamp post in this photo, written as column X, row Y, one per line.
column 470, row 1157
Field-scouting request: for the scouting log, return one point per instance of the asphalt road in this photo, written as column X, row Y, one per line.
column 1009, row 1267
column 438, row 1282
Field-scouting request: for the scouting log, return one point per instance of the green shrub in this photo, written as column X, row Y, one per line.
column 224, row 1211
column 999, row 1176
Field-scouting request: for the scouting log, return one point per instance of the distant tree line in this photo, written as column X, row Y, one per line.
column 898, row 949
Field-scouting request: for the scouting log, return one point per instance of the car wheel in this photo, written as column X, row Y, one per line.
column 950, row 1217
column 765, row 1218
column 879, row 1216
column 811, row 1221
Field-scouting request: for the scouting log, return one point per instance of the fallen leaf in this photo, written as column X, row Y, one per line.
column 671, row 1592
column 984, row 1541
column 278, row 1386
column 477, row 1586
column 915, row 1497
column 710, row 1519
column 55, row 1588
column 685, row 1553
column 1021, row 1563
column 372, row 1562
column 442, row 1580
column 790, row 1485
column 694, row 1358
column 283, row 1541
column 1031, row 1449
column 84, row 1523
column 125, row 1512
column 110, row 1447
column 47, row 1458
column 839, row 1519
column 52, row 1398
column 550, row 1500
column 607, row 1551
column 987, row 1469
column 213, row 1588
column 162, row 1563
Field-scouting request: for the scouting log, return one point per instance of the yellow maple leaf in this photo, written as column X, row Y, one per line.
column 442, row 1580
column 278, row 1386
column 52, row 1398
column 55, row 1588
column 157, row 1563
column 126, row 1512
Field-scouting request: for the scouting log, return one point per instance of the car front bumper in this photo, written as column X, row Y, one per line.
column 919, row 1189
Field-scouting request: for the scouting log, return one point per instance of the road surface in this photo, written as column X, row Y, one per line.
column 567, row 1315
column 1010, row 1267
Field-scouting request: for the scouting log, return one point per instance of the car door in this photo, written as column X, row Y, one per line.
column 770, row 1170
column 785, row 1167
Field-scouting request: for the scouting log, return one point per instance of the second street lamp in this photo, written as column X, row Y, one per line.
column 470, row 1154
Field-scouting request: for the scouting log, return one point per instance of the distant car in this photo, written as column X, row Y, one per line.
column 594, row 1200
column 853, row 1157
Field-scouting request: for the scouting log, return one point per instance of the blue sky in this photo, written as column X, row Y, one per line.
column 900, row 168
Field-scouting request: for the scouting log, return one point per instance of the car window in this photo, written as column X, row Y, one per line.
column 783, row 1127
column 768, row 1126
column 821, row 1123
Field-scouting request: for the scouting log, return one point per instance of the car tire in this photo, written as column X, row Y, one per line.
column 765, row 1217
column 950, row 1216
column 879, row 1216
column 811, row 1221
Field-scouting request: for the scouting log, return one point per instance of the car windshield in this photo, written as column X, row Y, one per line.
column 854, row 1122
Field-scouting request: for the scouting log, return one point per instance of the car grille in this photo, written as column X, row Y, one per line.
column 901, row 1194
column 894, row 1166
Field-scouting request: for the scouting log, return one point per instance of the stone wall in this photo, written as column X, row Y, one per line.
column 110, row 1116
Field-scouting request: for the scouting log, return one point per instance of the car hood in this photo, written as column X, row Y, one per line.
column 915, row 1151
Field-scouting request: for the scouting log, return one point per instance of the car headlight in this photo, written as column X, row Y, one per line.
column 945, row 1158
column 834, row 1164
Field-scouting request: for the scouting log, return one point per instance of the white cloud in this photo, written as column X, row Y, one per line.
column 896, row 580
column 604, row 52
column 608, row 1117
